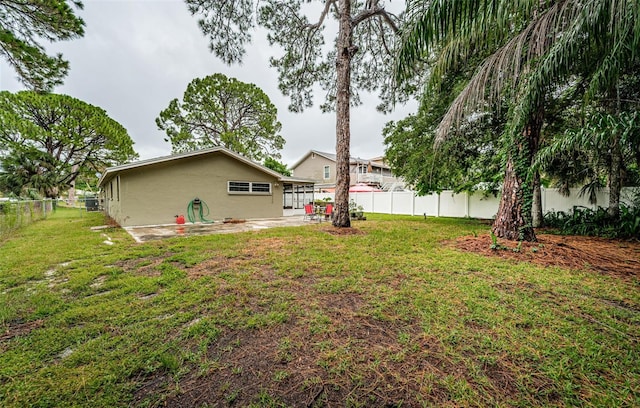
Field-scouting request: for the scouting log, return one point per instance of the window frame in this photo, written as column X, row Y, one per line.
column 326, row 172
column 259, row 190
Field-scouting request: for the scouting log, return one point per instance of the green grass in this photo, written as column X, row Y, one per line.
column 297, row 316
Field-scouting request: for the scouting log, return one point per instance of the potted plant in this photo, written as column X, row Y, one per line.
column 356, row 211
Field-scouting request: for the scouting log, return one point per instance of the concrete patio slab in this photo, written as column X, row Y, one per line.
column 152, row 232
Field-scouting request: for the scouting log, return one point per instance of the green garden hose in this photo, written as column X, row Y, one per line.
column 201, row 208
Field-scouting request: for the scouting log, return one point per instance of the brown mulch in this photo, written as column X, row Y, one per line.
column 608, row 256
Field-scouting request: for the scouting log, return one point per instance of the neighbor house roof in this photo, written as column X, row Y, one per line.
column 378, row 161
column 113, row 171
column 329, row 156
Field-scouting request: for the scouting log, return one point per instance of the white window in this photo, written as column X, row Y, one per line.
column 327, row 172
column 261, row 188
column 248, row 187
column 239, row 187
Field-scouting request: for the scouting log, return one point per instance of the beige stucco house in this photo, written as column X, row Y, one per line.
column 154, row 191
column 321, row 167
column 317, row 166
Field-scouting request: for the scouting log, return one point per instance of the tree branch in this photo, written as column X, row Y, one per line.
column 327, row 6
column 375, row 10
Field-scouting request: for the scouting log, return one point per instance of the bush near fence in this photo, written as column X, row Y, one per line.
column 472, row 205
column 16, row 214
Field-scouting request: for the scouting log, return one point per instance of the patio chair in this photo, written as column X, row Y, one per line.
column 309, row 213
column 328, row 212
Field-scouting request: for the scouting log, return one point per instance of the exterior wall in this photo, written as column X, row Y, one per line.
column 313, row 168
column 111, row 198
column 155, row 194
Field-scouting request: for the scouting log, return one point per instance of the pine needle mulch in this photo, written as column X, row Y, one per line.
column 608, row 256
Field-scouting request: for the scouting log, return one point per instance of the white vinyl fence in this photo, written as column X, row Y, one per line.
column 473, row 205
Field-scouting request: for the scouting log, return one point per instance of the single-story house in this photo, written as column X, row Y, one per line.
column 155, row 191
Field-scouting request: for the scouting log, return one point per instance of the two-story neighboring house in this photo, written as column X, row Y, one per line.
column 321, row 167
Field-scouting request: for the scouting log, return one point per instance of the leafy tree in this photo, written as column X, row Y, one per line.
column 534, row 47
column 275, row 165
column 23, row 23
column 466, row 163
column 360, row 60
column 55, row 138
column 220, row 111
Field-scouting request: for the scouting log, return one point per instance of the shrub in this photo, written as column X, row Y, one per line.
column 586, row 221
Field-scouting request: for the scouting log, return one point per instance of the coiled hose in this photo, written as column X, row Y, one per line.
column 202, row 211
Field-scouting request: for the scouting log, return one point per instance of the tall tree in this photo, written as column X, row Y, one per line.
column 361, row 58
column 23, row 23
column 220, row 111
column 535, row 47
column 69, row 136
column 274, row 164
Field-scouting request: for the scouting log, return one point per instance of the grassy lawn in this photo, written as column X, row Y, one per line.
column 301, row 317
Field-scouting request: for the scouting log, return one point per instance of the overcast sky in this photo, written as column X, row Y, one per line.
column 137, row 55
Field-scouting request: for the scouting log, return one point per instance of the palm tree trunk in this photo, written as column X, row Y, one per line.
column 513, row 220
column 510, row 222
column 345, row 53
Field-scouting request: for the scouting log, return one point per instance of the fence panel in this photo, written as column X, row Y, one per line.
column 475, row 205
column 552, row 200
column 484, row 207
column 15, row 214
column 402, row 202
column 365, row 200
column 453, row 205
column 427, row 205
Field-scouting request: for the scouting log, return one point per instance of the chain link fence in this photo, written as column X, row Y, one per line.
column 16, row 214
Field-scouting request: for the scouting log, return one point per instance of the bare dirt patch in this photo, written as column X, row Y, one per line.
column 342, row 231
column 346, row 357
column 215, row 265
column 147, row 266
column 609, row 256
column 19, row 329
column 284, row 247
column 290, row 365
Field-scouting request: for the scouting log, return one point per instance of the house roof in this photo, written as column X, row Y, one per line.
column 378, row 161
column 329, row 156
column 113, row 171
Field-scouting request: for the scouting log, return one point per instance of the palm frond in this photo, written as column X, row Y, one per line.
column 560, row 36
